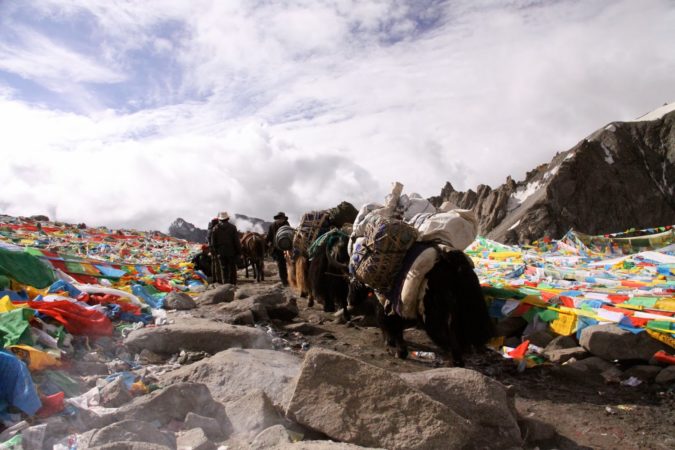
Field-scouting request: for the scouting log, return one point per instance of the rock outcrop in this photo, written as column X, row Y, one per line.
column 621, row 176
column 182, row 229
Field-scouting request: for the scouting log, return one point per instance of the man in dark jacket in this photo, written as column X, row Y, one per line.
column 226, row 249
column 279, row 220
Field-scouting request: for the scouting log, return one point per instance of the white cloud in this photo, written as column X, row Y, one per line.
column 297, row 105
column 36, row 57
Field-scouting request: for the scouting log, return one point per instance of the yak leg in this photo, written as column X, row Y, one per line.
column 392, row 330
column 442, row 333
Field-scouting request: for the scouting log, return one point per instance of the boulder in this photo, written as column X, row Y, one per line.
column 643, row 372
column 478, row 398
column 285, row 311
column 565, row 354
column 264, row 305
column 271, row 437
column 510, row 326
column 115, row 394
column 585, row 370
column 233, row 373
column 666, row 376
column 611, row 342
column 355, row 402
column 217, row 294
column 539, row 338
column 194, row 439
column 303, row 328
column 561, row 343
column 210, row 426
column 174, row 403
column 252, row 413
column 179, row 300
column 196, row 335
column 127, row 431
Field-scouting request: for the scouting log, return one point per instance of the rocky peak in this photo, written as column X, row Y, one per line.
column 621, row 176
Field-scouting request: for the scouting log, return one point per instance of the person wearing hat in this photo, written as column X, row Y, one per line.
column 226, row 249
column 280, row 220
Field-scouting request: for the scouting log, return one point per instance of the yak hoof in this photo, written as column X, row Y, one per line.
column 310, row 302
column 402, row 353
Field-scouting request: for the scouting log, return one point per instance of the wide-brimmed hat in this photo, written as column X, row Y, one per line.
column 223, row 215
column 280, row 215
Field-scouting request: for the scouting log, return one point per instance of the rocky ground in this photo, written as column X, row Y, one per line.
column 255, row 368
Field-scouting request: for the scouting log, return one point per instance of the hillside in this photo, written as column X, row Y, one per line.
column 621, row 176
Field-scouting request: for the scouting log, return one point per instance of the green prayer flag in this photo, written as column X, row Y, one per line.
column 25, row 268
column 15, row 327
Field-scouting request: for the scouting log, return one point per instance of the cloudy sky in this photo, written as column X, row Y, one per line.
column 133, row 113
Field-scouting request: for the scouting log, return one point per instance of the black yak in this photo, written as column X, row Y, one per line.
column 455, row 313
column 328, row 274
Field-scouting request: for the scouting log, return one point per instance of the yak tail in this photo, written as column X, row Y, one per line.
column 475, row 326
column 290, row 270
column 301, row 280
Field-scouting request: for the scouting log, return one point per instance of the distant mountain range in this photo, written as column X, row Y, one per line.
column 182, row 229
column 621, row 176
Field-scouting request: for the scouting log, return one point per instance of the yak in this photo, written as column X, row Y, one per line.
column 455, row 313
column 328, row 273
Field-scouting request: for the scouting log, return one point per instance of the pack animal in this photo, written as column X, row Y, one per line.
column 329, row 271
column 253, row 253
column 455, row 314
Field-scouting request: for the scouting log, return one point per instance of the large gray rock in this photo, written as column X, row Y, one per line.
column 194, row 439
column 129, row 430
column 174, row 403
column 264, row 304
column 115, row 394
column 355, row 402
column 565, row 354
column 210, row 426
column 252, row 413
column 196, row 335
column 561, row 343
column 643, row 372
column 587, row 370
column 233, row 373
column 478, row 398
column 179, row 300
column 270, row 437
column 217, row 293
column 666, row 376
column 611, row 342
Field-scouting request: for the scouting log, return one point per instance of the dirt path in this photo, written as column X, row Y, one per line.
column 586, row 415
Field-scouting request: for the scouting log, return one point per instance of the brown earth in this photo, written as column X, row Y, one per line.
column 585, row 415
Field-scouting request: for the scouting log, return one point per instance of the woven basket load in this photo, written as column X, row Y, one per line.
column 312, row 225
column 380, row 256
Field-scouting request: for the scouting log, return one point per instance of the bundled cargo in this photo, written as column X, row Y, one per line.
column 378, row 257
column 342, row 214
column 283, row 240
column 456, row 229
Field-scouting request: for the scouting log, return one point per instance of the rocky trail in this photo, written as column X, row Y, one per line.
column 254, row 367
